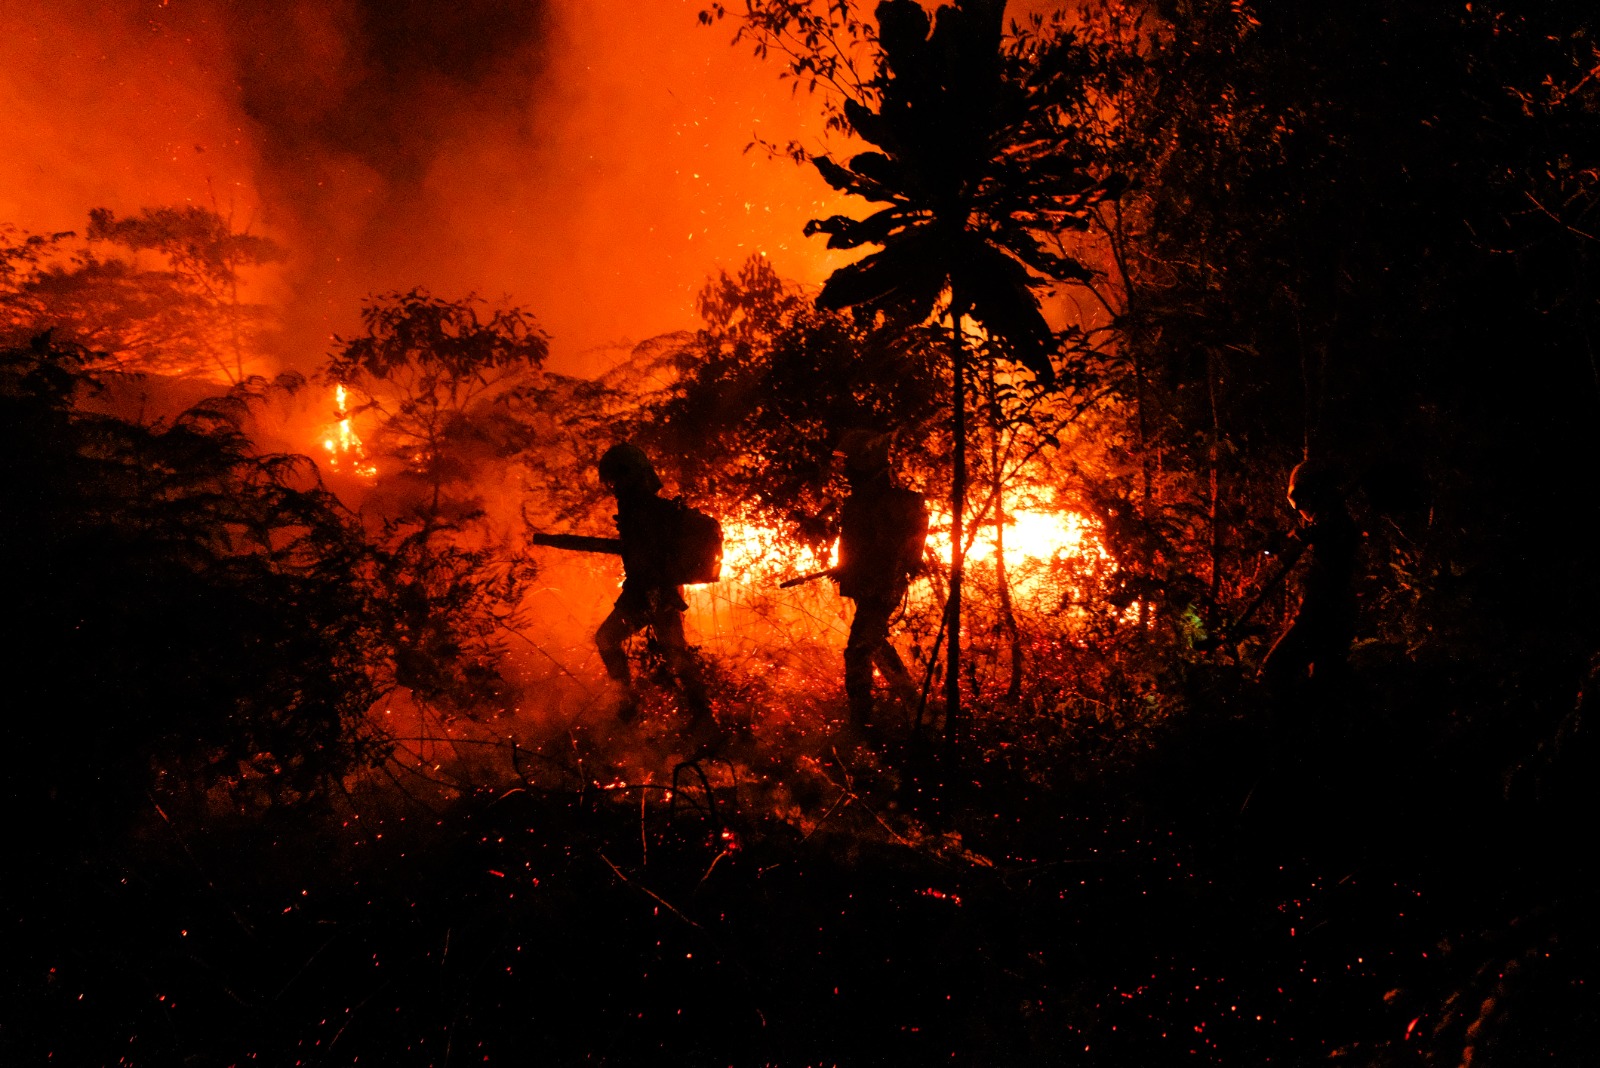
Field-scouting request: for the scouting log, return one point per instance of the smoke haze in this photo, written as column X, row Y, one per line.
column 585, row 158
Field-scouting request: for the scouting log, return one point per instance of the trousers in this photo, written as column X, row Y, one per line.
column 868, row 647
column 664, row 619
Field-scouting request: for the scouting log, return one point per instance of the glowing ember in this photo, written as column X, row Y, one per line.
column 343, row 444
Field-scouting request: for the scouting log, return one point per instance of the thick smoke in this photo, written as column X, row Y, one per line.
column 583, row 157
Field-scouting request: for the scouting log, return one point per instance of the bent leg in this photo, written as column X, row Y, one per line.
column 869, row 637
column 617, row 628
column 668, row 625
column 894, row 671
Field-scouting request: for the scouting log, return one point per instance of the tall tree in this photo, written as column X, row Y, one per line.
column 979, row 154
column 207, row 257
column 421, row 366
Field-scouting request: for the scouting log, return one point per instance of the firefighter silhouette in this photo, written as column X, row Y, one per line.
column 882, row 528
column 1314, row 652
column 652, row 596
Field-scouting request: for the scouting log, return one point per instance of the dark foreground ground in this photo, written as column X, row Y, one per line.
column 1217, row 905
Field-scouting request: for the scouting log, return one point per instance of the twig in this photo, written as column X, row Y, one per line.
column 407, row 794
column 844, row 795
column 420, row 759
column 301, row 970
column 705, row 784
column 351, row 1015
column 663, row 902
column 849, row 790
column 200, row 868
column 1558, row 220
column 542, row 651
column 711, row 868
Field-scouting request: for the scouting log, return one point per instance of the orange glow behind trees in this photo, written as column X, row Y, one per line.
column 596, row 163
column 592, row 161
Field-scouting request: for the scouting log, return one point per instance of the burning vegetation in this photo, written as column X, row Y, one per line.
column 1220, row 696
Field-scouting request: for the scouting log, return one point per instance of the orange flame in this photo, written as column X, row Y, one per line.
column 757, row 555
column 343, row 443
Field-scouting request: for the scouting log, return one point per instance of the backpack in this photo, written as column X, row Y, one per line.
column 905, row 531
column 882, row 542
column 696, row 542
column 914, row 539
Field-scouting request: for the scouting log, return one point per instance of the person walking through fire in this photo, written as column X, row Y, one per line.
column 652, row 595
column 882, row 528
column 1314, row 652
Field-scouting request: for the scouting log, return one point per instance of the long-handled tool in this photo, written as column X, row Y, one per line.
column 1232, row 629
column 581, row 543
column 803, row 579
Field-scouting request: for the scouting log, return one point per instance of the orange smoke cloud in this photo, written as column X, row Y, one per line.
column 102, row 105
column 585, row 158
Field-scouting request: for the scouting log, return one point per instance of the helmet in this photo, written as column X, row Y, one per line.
column 1313, row 488
column 626, row 466
column 865, row 451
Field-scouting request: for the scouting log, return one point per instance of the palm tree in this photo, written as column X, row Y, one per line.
column 978, row 158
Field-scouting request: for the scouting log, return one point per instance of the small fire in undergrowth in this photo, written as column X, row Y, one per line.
column 1054, row 557
column 755, row 553
column 345, row 451
column 1033, row 536
column 752, row 552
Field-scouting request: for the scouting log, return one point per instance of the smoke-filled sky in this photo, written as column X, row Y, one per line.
column 585, row 158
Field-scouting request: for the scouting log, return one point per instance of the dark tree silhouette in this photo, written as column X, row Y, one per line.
column 181, row 314
column 183, row 612
column 764, row 388
column 979, row 156
column 206, row 257
column 426, row 369
column 422, row 365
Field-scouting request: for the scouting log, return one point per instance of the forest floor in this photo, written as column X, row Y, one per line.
column 803, row 901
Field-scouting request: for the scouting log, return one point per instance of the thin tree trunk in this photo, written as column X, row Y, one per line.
column 1007, row 615
column 1215, row 503
column 955, row 724
column 1145, row 479
column 1131, row 313
column 233, row 322
column 1002, row 584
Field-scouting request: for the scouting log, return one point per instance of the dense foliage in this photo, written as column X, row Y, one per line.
column 182, row 609
column 429, row 374
column 1344, row 249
